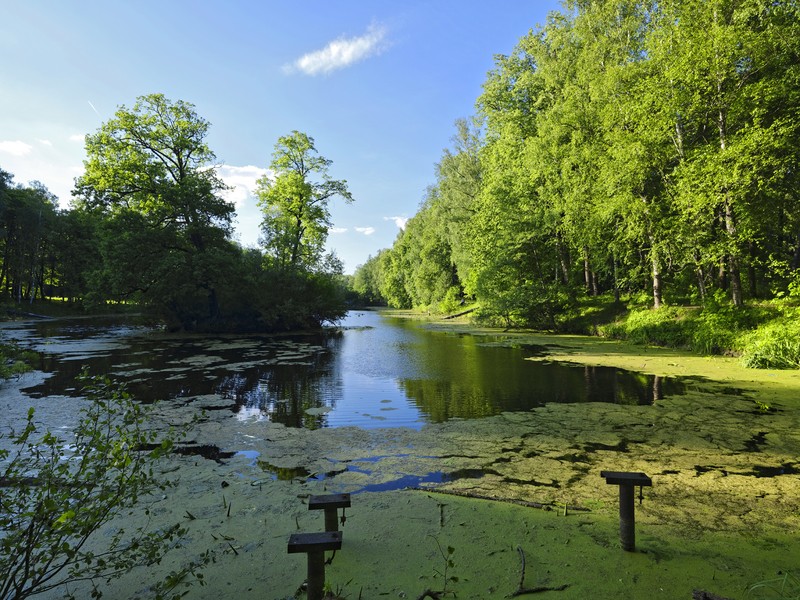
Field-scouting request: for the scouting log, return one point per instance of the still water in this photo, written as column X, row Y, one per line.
column 371, row 371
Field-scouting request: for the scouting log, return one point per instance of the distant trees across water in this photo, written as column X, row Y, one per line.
column 148, row 226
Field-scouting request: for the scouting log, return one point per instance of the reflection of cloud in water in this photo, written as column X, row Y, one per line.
column 251, row 413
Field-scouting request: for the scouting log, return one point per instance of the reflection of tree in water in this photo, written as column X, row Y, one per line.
column 284, row 391
column 486, row 388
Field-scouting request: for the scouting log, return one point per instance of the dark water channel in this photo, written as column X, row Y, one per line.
column 372, row 371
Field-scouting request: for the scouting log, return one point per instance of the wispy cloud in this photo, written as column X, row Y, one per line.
column 45, row 142
column 77, row 137
column 15, row 147
column 338, row 229
column 365, row 230
column 399, row 221
column 341, row 53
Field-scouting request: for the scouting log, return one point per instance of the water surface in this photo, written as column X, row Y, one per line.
column 371, row 371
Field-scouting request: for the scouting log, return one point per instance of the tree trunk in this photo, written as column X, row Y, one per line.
column 657, row 291
column 734, row 270
column 587, row 272
column 796, row 257
column 563, row 259
column 616, row 284
column 751, row 272
column 730, row 222
column 701, row 278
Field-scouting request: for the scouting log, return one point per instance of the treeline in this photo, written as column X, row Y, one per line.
column 148, row 227
column 645, row 149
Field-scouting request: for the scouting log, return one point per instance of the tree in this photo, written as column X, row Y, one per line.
column 151, row 175
column 731, row 69
column 458, row 181
column 294, row 200
column 27, row 216
column 367, row 280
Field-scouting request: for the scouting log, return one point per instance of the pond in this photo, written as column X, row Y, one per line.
column 370, row 371
column 460, row 419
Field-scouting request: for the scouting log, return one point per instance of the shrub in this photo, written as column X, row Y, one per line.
column 712, row 334
column 56, row 495
column 666, row 326
column 773, row 346
column 14, row 361
column 452, row 301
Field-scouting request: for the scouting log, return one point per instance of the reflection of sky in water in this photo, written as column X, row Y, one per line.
column 363, row 385
column 369, row 402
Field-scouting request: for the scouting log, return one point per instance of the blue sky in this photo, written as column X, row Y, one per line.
column 377, row 84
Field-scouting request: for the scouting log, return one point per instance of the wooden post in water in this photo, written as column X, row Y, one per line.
column 627, row 519
column 330, row 503
column 315, row 545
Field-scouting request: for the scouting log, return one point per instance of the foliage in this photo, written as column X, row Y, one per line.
column 164, row 226
column 639, row 149
column 14, row 361
column 448, row 563
column 367, row 280
column 668, row 326
column 786, row 585
column 27, row 238
column 774, row 346
column 150, row 228
column 58, row 497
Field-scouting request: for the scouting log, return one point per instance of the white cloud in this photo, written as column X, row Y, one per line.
column 15, row 148
column 365, row 230
column 45, row 142
column 77, row 137
column 338, row 229
column 242, row 181
column 341, row 53
column 399, row 221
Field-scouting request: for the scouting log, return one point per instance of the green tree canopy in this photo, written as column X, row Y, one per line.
column 151, row 175
column 294, row 200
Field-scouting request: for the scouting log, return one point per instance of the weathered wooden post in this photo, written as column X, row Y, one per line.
column 315, row 545
column 627, row 521
column 330, row 503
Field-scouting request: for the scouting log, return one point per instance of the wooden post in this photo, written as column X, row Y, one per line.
column 627, row 519
column 314, row 545
column 330, row 503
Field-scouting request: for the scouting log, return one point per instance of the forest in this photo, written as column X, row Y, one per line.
column 148, row 229
column 633, row 155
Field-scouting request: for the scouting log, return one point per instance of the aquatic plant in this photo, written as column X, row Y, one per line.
column 58, row 498
column 448, row 564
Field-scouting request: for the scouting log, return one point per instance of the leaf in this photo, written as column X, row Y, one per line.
column 65, row 518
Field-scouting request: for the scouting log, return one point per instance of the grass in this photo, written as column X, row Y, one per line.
column 764, row 335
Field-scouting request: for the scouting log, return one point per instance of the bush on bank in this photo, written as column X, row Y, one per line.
column 765, row 336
